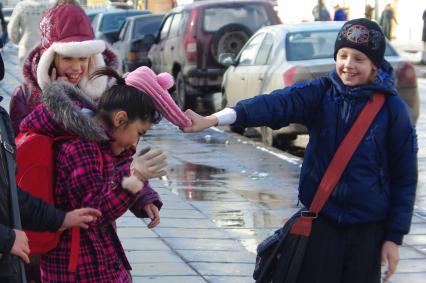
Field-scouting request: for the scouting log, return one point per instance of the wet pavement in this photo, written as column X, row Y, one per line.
column 222, row 195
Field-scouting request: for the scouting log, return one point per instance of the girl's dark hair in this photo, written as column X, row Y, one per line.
column 136, row 103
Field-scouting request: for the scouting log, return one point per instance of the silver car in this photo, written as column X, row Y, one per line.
column 280, row 55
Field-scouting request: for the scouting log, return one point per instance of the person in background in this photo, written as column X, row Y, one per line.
column 23, row 27
column 367, row 215
column 368, row 12
column 424, row 29
column 322, row 15
column 339, row 13
column 4, row 36
column 386, row 21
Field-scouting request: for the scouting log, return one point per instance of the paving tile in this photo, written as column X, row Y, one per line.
column 181, row 213
column 204, row 244
column 185, row 223
column 204, row 233
column 160, row 269
column 147, row 256
column 141, row 244
column 223, row 269
column 414, row 277
column 412, row 265
column 229, row 279
column 217, row 256
column 135, row 232
column 168, row 279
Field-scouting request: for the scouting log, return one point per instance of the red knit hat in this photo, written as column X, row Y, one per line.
column 66, row 30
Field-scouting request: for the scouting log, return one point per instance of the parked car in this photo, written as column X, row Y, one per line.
column 106, row 25
column 135, row 38
column 7, row 12
column 278, row 56
column 193, row 35
column 91, row 13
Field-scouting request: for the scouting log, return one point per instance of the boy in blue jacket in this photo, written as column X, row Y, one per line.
column 363, row 222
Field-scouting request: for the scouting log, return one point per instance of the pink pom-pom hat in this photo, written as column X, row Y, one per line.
column 156, row 86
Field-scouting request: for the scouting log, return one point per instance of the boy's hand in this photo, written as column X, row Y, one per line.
column 199, row 122
column 153, row 213
column 390, row 257
column 20, row 246
column 80, row 217
column 150, row 163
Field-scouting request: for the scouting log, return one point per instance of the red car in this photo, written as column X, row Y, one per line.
column 192, row 36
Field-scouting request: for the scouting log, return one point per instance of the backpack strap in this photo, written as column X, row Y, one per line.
column 75, row 231
column 338, row 164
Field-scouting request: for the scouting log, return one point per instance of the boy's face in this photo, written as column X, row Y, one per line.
column 354, row 67
column 71, row 69
column 125, row 134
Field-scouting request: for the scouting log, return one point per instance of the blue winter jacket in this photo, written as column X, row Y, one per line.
column 379, row 183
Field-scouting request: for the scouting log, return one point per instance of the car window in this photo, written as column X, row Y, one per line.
column 143, row 27
column 123, row 30
column 307, row 45
column 95, row 22
column 166, row 27
column 265, row 50
column 113, row 22
column 252, row 16
column 176, row 23
column 249, row 52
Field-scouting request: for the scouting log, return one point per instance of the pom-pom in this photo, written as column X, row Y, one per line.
column 165, row 80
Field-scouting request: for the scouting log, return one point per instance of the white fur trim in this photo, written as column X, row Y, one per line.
column 79, row 49
column 93, row 88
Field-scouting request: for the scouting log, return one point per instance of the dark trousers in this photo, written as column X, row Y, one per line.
column 343, row 254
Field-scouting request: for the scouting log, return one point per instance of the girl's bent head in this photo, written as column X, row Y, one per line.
column 359, row 51
column 126, row 111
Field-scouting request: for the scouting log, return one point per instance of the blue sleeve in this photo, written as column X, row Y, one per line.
column 295, row 104
column 403, row 170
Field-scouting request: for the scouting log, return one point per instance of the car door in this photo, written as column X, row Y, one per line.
column 171, row 48
column 119, row 45
column 237, row 76
column 259, row 73
column 156, row 52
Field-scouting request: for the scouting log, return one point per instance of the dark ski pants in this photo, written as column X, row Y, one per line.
column 343, row 254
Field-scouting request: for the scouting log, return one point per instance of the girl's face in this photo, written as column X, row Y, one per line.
column 71, row 69
column 354, row 67
column 126, row 134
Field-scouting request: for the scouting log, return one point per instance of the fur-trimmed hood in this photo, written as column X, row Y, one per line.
column 60, row 113
column 31, row 66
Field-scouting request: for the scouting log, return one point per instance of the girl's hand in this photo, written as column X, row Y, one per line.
column 390, row 257
column 150, row 163
column 153, row 213
column 20, row 246
column 54, row 76
column 199, row 122
column 80, row 217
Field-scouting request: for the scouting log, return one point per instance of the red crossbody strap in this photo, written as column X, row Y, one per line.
column 75, row 232
column 339, row 162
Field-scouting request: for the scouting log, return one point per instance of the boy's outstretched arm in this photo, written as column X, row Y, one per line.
column 199, row 122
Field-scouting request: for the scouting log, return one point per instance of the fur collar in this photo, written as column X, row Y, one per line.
column 61, row 99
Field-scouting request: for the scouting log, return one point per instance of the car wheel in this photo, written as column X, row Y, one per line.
column 230, row 39
column 267, row 136
column 180, row 93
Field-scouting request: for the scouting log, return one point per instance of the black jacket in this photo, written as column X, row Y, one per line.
column 36, row 215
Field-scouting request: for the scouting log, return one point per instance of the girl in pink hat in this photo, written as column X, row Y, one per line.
column 67, row 51
column 93, row 166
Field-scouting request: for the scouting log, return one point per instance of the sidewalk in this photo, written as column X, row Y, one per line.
column 216, row 212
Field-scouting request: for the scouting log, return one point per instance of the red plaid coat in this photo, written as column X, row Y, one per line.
column 80, row 182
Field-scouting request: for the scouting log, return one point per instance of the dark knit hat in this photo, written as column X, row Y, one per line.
column 365, row 36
